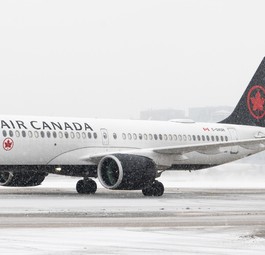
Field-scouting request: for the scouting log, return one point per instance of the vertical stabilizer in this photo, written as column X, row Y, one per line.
column 251, row 108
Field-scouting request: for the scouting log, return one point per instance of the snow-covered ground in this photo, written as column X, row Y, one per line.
column 215, row 211
column 79, row 241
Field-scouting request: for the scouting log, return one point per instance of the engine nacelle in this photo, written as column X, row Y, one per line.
column 21, row 179
column 126, row 172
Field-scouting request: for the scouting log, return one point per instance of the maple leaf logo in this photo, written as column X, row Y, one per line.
column 8, row 144
column 258, row 102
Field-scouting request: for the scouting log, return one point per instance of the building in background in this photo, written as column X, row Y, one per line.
column 200, row 114
column 210, row 114
column 162, row 114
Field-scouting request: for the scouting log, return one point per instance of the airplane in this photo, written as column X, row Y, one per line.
column 128, row 154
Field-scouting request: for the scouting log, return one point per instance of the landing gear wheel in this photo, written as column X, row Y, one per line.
column 86, row 187
column 156, row 189
column 148, row 192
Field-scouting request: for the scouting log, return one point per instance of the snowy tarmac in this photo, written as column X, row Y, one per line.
column 216, row 211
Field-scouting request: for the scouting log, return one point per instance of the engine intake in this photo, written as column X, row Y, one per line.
column 126, row 172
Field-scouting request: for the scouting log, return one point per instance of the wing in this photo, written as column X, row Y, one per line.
column 166, row 155
column 208, row 148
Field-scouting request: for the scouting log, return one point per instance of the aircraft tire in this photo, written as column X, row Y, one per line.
column 80, row 187
column 86, row 187
column 156, row 189
column 90, row 187
column 148, row 192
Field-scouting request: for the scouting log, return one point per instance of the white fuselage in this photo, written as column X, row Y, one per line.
column 64, row 141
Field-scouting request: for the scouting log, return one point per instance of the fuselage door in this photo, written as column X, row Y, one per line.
column 105, row 136
column 234, row 137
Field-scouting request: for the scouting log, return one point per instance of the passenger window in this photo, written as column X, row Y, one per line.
column 66, row 135
column 72, row 135
column 194, row 138
column 160, row 137
column 48, row 134
column 140, row 136
column 203, row 138
column 54, row 134
column 217, row 138
column 42, row 134
column 208, row 138
column 165, row 137
column 189, row 137
column 114, row 136
column 130, row 136
column 30, row 134
column 95, row 135
column 212, row 138
column 78, row 135
column 4, row 133
column 150, row 137
column 134, row 136
column 89, row 135
column 180, row 138
column 123, row 136
column 61, row 134
column 175, row 137
column 199, row 138
column 36, row 134
column 170, row 137
column 185, row 138
column 222, row 138
column 17, row 133
column 11, row 133
column 24, row 133
column 83, row 135
column 156, row 137
column 226, row 138
column 145, row 137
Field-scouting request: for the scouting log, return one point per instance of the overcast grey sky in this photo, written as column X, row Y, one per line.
column 113, row 59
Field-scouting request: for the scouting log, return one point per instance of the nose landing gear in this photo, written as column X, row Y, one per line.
column 86, row 186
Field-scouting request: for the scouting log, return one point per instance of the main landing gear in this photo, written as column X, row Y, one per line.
column 86, row 186
column 156, row 189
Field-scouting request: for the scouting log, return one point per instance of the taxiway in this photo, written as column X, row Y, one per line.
column 226, row 219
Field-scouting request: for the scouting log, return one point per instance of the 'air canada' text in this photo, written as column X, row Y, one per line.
column 43, row 125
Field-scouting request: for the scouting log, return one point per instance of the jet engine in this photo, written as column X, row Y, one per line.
column 21, row 179
column 126, row 172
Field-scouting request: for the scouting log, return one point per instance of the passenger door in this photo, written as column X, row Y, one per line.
column 105, row 136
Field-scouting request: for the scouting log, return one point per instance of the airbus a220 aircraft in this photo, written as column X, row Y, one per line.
column 128, row 154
